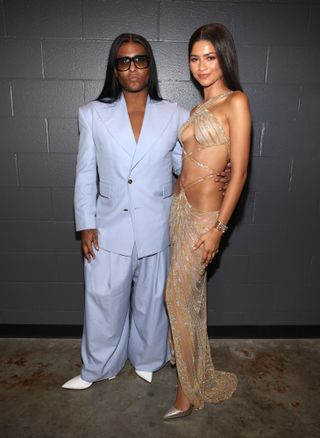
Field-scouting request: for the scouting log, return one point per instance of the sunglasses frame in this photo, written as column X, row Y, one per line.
column 132, row 59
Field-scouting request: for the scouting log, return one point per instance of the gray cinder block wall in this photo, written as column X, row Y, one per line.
column 53, row 58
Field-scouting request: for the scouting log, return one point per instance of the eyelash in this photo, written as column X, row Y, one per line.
column 209, row 58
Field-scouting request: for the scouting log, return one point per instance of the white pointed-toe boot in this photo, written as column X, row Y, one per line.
column 78, row 383
column 145, row 375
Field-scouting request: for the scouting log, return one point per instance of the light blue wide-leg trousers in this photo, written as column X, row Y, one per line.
column 125, row 315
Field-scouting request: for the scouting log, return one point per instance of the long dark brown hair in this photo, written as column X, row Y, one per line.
column 223, row 42
column 112, row 88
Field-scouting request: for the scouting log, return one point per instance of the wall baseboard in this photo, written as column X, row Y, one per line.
column 222, row 332
column 264, row 331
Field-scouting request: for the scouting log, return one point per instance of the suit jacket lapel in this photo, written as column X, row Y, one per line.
column 116, row 120
column 156, row 119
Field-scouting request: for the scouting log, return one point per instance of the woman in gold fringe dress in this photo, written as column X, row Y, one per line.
column 218, row 130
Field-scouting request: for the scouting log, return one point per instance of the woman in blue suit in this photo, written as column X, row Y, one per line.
column 128, row 150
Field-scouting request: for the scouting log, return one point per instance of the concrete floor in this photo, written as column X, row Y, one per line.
column 278, row 394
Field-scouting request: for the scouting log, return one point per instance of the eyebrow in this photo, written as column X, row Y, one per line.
column 206, row 54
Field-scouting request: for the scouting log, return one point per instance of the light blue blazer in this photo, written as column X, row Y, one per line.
column 124, row 188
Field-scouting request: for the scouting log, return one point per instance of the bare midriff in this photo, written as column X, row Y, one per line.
column 206, row 151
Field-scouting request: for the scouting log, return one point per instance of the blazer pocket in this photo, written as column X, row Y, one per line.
column 167, row 190
column 105, row 189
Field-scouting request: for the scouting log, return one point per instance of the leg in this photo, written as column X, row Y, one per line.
column 106, row 326
column 182, row 402
column 148, row 341
column 186, row 303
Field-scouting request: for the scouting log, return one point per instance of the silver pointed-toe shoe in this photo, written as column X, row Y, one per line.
column 173, row 412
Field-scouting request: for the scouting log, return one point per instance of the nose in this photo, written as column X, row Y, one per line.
column 202, row 64
column 132, row 66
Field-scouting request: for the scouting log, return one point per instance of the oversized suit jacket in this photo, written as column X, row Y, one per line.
column 124, row 188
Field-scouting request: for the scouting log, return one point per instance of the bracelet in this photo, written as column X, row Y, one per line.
column 220, row 226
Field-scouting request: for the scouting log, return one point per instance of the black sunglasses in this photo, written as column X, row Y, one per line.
column 124, row 63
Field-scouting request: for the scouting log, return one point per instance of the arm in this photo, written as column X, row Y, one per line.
column 86, row 186
column 239, row 120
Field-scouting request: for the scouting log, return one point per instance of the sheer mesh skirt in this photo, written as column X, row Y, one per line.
column 186, row 298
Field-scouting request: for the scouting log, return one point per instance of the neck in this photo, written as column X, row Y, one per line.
column 215, row 90
column 136, row 100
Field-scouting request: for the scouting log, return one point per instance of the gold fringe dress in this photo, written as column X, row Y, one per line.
column 186, row 291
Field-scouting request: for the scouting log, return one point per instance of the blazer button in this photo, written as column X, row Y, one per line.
column 130, row 181
column 125, row 209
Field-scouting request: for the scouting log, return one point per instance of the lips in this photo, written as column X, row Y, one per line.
column 203, row 76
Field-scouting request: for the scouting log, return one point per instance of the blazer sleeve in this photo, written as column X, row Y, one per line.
column 177, row 151
column 85, row 195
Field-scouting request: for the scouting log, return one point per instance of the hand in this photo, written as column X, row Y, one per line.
column 210, row 242
column 224, row 177
column 89, row 237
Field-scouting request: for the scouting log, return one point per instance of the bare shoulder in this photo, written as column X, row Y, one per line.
column 238, row 107
column 238, row 101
